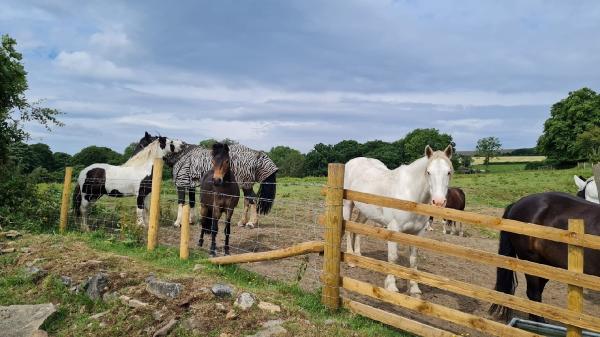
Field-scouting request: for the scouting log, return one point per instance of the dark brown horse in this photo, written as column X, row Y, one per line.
column 455, row 199
column 551, row 209
column 219, row 194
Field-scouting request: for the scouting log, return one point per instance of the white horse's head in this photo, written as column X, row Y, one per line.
column 439, row 171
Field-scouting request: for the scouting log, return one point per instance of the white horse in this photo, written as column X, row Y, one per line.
column 425, row 180
column 587, row 189
column 133, row 178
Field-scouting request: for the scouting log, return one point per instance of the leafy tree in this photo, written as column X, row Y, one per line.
column 61, row 160
column 317, row 160
column 289, row 161
column 524, row 152
column 569, row 118
column 96, row 154
column 346, row 150
column 15, row 109
column 588, row 144
column 391, row 154
column 488, row 147
column 42, row 156
column 416, row 141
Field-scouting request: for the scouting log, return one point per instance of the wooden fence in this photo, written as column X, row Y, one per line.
column 333, row 281
column 572, row 316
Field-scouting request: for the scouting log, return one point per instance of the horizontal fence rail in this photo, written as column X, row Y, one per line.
column 432, row 309
column 545, row 271
column 513, row 226
column 466, row 289
column 295, row 250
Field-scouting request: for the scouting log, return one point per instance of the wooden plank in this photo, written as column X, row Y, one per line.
column 157, row 169
column 596, row 170
column 433, row 310
column 545, row 310
column 333, row 236
column 184, row 240
column 396, row 321
column 299, row 249
column 575, row 264
column 513, row 226
column 448, row 249
column 64, row 206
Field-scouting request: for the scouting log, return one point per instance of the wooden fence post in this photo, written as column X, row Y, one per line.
column 333, row 236
column 575, row 293
column 157, row 170
column 184, row 243
column 64, row 206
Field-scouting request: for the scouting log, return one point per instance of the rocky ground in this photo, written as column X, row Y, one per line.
column 86, row 285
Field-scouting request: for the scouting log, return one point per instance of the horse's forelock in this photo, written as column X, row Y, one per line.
column 441, row 155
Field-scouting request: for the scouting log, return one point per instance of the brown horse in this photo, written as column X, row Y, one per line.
column 455, row 199
column 551, row 209
column 219, row 194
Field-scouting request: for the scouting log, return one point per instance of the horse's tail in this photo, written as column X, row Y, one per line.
column 77, row 201
column 506, row 280
column 266, row 193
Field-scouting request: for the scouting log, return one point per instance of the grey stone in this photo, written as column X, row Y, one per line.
column 245, row 301
column 221, row 307
column 222, row 290
column 198, row 267
column 231, row 315
column 273, row 331
column 137, row 303
column 270, row 307
column 96, row 286
column 24, row 320
column 107, row 297
column 272, row 323
column 25, row 250
column 192, row 323
column 12, row 234
column 7, row 250
column 34, row 262
column 67, row 281
column 164, row 331
column 163, row 289
column 35, row 273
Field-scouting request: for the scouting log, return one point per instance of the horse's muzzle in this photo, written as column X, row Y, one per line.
column 218, row 181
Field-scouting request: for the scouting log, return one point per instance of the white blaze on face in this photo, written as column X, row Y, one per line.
column 438, row 175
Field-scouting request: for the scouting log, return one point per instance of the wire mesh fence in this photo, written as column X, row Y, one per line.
column 291, row 220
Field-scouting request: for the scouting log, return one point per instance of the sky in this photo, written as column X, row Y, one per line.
column 298, row 73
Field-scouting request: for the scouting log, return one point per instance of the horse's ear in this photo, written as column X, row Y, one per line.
column 448, row 151
column 428, row 151
column 216, row 148
column 147, row 135
column 226, row 148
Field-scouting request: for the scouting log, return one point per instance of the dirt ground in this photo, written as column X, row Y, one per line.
column 284, row 228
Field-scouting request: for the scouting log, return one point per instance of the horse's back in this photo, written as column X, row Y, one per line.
column 364, row 174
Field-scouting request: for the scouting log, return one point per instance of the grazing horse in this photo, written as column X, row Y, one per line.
column 587, row 189
column 133, row 178
column 425, row 181
column 551, row 209
column 455, row 199
column 219, row 193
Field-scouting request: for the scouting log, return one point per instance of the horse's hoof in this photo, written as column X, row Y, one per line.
column 351, row 265
column 241, row 224
column 213, row 254
column 200, row 243
column 176, row 225
column 250, row 225
column 392, row 288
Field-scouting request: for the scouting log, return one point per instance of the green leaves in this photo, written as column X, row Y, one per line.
column 488, row 147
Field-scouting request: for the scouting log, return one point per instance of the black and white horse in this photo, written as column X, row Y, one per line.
column 133, row 178
column 586, row 188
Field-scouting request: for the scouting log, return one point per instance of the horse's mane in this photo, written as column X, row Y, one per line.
column 149, row 153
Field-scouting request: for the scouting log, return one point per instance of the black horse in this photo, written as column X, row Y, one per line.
column 551, row 209
column 219, row 194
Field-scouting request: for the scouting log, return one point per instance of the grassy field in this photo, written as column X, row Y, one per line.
column 509, row 159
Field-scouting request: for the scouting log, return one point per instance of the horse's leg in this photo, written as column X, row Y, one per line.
column 203, row 223
column 214, row 228
column 192, row 201
column 140, row 210
column 460, row 226
column 390, row 280
column 180, row 202
column 347, row 214
column 244, row 219
column 429, row 224
column 252, row 200
column 413, row 287
column 228, row 216
column 84, row 210
column 361, row 219
column 452, row 226
column 535, row 287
